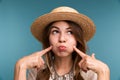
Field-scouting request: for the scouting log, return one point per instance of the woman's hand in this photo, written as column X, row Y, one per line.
column 33, row 60
column 91, row 63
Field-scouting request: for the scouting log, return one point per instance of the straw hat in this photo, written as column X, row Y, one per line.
column 63, row 13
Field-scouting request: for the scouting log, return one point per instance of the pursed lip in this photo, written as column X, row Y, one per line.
column 62, row 48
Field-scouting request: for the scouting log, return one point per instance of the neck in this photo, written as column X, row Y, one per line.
column 63, row 65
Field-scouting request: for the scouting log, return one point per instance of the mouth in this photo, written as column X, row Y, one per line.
column 62, row 48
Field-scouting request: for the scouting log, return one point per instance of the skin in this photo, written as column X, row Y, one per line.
column 62, row 40
column 63, row 43
column 91, row 63
column 27, row 62
column 61, row 36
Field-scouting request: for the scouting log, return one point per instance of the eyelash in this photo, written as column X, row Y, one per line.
column 56, row 31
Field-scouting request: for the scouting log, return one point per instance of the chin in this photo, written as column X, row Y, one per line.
column 63, row 54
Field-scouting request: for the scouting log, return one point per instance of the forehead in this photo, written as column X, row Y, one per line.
column 60, row 24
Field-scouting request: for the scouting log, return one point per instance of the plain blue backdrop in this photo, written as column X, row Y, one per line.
column 16, row 40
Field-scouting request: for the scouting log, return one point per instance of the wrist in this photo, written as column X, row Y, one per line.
column 104, row 69
column 21, row 65
column 104, row 73
column 20, row 71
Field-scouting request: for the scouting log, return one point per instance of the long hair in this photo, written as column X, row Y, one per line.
column 81, row 45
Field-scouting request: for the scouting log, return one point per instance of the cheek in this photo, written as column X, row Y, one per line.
column 73, row 42
column 52, row 40
column 53, row 43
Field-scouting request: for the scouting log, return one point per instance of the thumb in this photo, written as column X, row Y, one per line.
column 93, row 55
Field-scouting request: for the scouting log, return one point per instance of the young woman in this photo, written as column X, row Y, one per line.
column 64, row 34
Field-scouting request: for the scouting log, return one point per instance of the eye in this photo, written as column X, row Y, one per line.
column 69, row 32
column 55, row 31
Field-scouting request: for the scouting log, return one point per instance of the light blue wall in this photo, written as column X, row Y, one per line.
column 16, row 40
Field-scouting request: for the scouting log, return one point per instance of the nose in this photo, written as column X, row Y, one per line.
column 62, row 38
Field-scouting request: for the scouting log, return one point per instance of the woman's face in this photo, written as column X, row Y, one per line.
column 62, row 39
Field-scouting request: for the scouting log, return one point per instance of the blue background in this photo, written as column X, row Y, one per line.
column 16, row 40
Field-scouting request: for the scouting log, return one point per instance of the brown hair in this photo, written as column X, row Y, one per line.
column 81, row 45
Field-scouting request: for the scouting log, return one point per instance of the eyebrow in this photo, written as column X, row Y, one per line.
column 54, row 27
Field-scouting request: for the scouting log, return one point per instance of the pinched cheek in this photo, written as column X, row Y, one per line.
column 54, row 49
column 52, row 41
column 73, row 43
column 54, row 44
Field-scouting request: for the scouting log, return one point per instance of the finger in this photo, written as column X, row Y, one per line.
column 93, row 56
column 45, row 50
column 80, row 63
column 79, row 52
column 40, row 63
column 83, row 65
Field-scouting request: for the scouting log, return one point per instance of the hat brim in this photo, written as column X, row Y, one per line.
column 85, row 22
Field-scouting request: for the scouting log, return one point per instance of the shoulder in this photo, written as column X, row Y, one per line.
column 89, row 75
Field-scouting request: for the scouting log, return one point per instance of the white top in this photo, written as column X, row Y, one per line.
column 89, row 75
